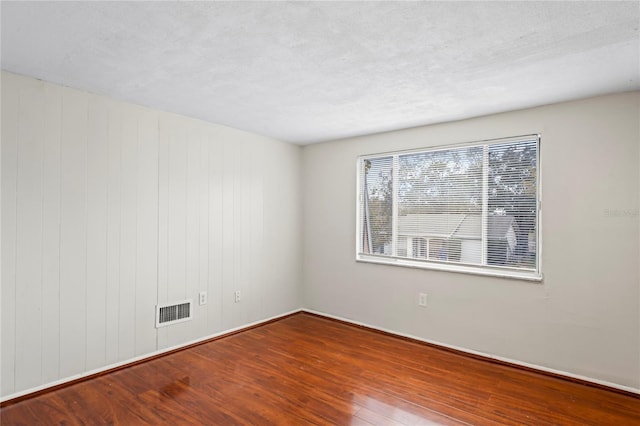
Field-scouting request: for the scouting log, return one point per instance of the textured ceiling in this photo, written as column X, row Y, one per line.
column 305, row 72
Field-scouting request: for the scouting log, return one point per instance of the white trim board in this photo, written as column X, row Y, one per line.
column 143, row 357
column 482, row 354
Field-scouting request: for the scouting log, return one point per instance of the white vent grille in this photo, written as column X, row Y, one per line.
column 173, row 313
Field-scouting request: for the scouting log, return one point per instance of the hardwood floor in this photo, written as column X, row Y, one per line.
column 309, row 370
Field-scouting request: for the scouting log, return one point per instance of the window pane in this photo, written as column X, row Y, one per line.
column 512, row 220
column 440, row 203
column 377, row 206
column 470, row 208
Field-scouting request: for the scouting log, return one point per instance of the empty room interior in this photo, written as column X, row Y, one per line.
column 329, row 213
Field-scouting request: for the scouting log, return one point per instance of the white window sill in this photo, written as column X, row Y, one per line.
column 448, row 267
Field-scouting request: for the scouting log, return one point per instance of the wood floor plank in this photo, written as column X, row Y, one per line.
column 306, row 370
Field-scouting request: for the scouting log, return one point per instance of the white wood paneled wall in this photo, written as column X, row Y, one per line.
column 110, row 208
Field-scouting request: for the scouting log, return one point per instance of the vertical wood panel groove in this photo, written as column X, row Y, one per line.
column 106, row 241
column 106, row 232
column 42, row 242
column 106, row 298
column 86, row 237
column 114, row 151
column 60, row 235
column 86, row 227
column 15, row 267
column 120, row 191
column 163, row 211
column 223, row 269
column 186, row 213
column 50, row 313
column 204, row 234
column 158, row 127
column 15, row 246
column 135, row 249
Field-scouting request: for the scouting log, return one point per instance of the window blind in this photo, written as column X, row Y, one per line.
column 467, row 206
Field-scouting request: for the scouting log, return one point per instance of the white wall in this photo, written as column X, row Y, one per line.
column 583, row 319
column 109, row 208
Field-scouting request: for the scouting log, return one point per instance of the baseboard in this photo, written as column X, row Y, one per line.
column 627, row 390
column 32, row 392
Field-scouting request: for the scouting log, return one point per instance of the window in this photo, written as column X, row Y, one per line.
column 467, row 208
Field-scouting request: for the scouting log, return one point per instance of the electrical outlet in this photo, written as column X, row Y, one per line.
column 422, row 300
column 203, row 297
column 237, row 296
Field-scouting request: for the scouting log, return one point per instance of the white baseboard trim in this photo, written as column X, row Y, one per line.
column 142, row 357
column 323, row 314
column 482, row 354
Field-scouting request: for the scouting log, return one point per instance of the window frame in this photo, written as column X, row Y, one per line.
column 486, row 270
